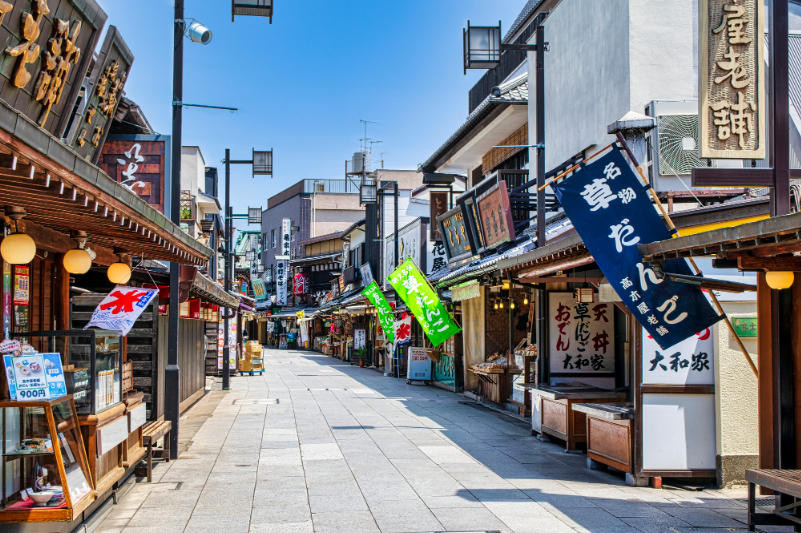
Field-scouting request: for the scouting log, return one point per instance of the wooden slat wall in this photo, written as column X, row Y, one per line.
column 141, row 343
column 191, row 357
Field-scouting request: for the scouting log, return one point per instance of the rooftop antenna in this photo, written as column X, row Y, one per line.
column 366, row 122
column 381, row 155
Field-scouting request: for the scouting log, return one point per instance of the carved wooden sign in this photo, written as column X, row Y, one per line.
column 102, row 95
column 138, row 164
column 731, row 103
column 48, row 48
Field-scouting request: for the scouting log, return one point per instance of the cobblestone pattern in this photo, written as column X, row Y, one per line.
column 347, row 450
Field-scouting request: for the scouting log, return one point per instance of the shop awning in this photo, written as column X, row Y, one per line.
column 60, row 191
column 772, row 236
column 208, row 290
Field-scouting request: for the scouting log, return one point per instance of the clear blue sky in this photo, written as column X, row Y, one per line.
column 302, row 83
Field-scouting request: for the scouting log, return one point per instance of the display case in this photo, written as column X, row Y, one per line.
column 93, row 369
column 45, row 475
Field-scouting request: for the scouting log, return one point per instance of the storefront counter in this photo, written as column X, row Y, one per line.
column 610, row 434
column 553, row 406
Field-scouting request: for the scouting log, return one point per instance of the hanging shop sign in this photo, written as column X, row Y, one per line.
column 466, row 291
column 403, row 329
column 119, row 310
column 91, row 126
column 367, row 274
column 384, row 311
column 495, row 216
column 22, row 285
column 300, row 285
column 439, row 206
column 282, row 266
column 419, row 365
column 140, row 164
column 731, row 103
column 612, row 212
column 746, row 327
column 46, row 88
column 472, row 220
column 413, row 288
column 259, row 291
column 456, row 243
column 581, row 336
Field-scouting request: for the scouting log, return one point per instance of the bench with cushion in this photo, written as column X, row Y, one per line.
column 784, row 482
column 151, row 433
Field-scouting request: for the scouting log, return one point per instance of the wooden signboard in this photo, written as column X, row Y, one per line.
column 439, row 205
column 495, row 216
column 127, row 376
column 47, row 48
column 140, row 163
column 454, row 232
column 90, row 127
column 731, row 103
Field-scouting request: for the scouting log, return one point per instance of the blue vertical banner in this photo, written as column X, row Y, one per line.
column 612, row 212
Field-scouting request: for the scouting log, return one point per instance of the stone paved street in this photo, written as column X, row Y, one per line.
column 318, row 445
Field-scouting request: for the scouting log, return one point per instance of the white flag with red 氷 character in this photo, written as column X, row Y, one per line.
column 119, row 310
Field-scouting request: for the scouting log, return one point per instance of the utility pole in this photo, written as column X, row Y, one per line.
column 172, row 375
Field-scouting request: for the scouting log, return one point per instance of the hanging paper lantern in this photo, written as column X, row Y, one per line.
column 300, row 284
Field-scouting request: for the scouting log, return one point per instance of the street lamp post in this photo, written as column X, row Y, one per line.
column 262, row 163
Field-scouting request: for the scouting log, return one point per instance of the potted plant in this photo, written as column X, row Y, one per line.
column 362, row 353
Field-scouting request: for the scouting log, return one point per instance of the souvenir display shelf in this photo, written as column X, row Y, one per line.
column 93, row 372
column 44, row 457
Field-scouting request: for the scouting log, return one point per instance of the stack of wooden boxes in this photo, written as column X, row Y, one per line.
column 252, row 361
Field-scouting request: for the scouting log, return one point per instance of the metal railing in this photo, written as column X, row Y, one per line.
column 315, row 186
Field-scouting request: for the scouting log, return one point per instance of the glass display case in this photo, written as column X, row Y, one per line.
column 93, row 368
column 45, row 475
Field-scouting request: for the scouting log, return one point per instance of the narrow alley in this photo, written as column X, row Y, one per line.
column 316, row 445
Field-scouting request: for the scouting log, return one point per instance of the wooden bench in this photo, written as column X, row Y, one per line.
column 784, row 482
column 151, row 433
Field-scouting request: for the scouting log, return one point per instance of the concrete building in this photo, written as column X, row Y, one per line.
column 315, row 208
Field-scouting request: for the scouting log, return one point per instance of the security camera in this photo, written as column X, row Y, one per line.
column 495, row 92
column 198, row 33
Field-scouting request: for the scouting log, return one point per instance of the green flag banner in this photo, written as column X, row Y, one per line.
column 383, row 309
column 412, row 288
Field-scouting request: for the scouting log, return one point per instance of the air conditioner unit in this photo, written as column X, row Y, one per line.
column 673, row 146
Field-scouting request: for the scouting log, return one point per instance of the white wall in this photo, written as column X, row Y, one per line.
column 606, row 59
column 193, row 169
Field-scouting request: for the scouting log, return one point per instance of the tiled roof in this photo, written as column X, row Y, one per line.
column 528, row 9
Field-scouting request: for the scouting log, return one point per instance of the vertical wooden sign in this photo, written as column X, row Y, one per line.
column 731, row 103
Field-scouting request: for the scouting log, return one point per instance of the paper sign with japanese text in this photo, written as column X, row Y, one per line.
column 581, row 336
column 690, row 362
column 384, row 311
column 731, row 95
column 54, row 373
column 419, row 365
column 29, row 377
column 612, row 212
column 413, row 288
column 119, row 310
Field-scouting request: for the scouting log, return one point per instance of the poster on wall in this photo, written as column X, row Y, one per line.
column 359, row 339
column 22, row 285
column 581, row 336
column 29, row 377
column 419, row 365
column 232, row 329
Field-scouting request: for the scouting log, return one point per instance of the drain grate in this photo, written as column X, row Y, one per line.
column 260, row 401
column 760, row 502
